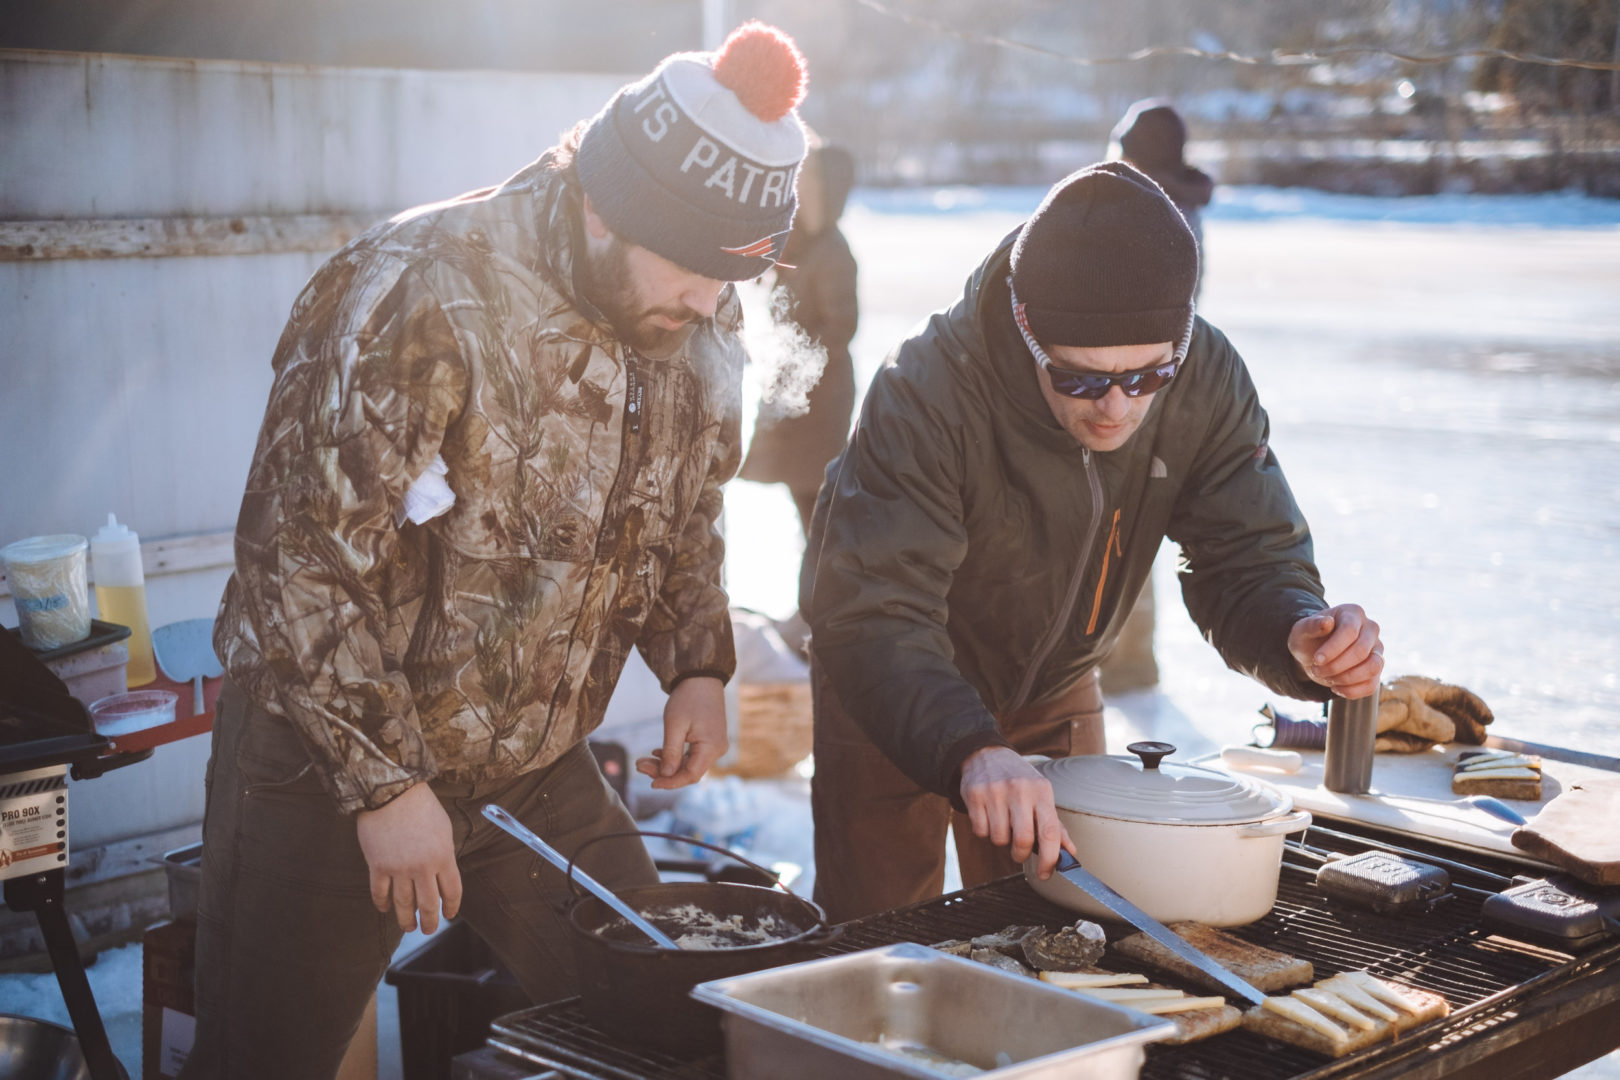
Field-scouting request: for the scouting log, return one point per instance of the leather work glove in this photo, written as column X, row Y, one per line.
column 1415, row 712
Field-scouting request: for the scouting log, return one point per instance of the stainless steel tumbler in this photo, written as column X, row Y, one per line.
column 1352, row 731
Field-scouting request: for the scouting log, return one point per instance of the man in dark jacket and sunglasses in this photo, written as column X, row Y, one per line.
column 978, row 544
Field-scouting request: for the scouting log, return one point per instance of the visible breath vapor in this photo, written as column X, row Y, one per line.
column 788, row 363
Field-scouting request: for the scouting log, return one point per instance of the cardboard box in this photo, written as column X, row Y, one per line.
column 168, row 1027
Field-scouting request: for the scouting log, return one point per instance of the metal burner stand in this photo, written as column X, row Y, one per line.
column 46, row 736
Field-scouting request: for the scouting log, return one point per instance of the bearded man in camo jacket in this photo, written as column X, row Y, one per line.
column 490, row 466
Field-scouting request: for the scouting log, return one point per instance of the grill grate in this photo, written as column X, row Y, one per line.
column 1444, row 950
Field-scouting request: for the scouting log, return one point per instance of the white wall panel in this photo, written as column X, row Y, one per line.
column 137, row 384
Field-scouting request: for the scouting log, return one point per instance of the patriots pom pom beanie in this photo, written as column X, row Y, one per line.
column 1106, row 259
column 698, row 162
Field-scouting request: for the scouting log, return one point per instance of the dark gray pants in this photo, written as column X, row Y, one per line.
column 289, row 946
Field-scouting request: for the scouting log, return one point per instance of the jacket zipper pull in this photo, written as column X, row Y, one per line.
column 633, row 394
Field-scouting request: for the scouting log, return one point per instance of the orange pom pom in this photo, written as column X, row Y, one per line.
column 764, row 68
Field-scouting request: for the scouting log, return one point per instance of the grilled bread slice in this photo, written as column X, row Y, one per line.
column 1346, row 1013
column 1195, row 1025
column 1266, row 969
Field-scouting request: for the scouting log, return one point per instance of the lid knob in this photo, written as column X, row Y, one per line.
column 1151, row 753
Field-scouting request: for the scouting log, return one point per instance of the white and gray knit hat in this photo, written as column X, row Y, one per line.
column 698, row 161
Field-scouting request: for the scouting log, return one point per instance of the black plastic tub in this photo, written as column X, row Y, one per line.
column 449, row 990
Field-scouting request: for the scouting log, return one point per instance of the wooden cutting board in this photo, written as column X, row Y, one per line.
column 1411, row 793
column 1578, row 832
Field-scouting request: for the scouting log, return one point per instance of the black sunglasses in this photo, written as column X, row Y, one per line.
column 1093, row 385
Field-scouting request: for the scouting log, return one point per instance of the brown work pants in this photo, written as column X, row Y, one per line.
column 289, row 946
column 880, row 839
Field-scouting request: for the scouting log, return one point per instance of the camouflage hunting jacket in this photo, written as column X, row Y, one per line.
column 485, row 642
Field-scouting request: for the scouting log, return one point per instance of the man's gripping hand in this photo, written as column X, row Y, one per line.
column 1340, row 649
column 1011, row 803
column 694, row 734
column 410, row 849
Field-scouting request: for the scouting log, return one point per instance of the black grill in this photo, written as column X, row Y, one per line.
column 1445, row 950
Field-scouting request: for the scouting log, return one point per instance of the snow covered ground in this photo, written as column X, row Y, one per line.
column 1443, row 379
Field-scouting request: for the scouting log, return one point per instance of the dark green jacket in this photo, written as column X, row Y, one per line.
column 968, row 556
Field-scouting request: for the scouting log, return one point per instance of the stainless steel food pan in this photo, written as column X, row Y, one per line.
column 835, row 1016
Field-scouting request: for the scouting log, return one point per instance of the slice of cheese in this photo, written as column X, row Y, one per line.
column 1302, row 1014
column 1181, row 1004
column 1521, row 761
column 1330, row 1004
column 1383, row 991
column 1508, row 773
column 1487, row 755
column 1353, row 994
column 1079, row 980
column 1126, row 995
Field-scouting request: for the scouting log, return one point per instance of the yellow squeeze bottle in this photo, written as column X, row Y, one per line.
column 115, row 558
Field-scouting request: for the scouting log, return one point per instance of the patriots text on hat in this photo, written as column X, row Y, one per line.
column 698, row 161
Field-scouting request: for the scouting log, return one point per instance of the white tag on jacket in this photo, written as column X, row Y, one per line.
column 428, row 496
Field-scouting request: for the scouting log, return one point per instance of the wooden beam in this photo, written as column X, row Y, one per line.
column 149, row 238
column 173, row 555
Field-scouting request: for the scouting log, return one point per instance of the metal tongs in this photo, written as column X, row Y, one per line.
column 525, row 836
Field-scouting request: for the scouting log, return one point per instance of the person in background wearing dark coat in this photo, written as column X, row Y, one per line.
column 1152, row 137
column 818, row 273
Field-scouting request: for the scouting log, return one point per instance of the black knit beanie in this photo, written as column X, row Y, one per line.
column 699, row 161
column 1106, row 259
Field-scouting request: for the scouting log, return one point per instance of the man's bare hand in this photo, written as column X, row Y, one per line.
column 411, row 851
column 694, row 734
column 1339, row 648
column 1011, row 803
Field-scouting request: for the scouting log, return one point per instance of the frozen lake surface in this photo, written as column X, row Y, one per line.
column 1445, row 399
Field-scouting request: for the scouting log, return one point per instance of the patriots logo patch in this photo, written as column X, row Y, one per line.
column 766, row 247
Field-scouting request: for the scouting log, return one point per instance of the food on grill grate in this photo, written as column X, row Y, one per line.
column 1346, row 1013
column 1202, row 1023
column 1009, row 939
column 1157, row 1000
column 1092, row 979
column 1001, row 960
column 1025, row 950
column 1266, row 969
column 1070, row 948
column 1502, row 773
column 1195, row 1017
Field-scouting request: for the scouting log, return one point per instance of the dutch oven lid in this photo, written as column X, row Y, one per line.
column 1141, row 788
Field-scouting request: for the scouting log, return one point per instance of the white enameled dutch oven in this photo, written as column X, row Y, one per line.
column 1179, row 841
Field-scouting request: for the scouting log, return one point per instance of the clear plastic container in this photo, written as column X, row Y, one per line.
column 47, row 578
column 137, row 710
column 115, row 552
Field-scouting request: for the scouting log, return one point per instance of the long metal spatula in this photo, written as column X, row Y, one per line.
column 525, row 836
column 1100, row 891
